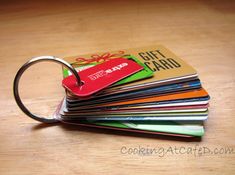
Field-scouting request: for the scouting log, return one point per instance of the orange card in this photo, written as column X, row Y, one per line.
column 183, row 95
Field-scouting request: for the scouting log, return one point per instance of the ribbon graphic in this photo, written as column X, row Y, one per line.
column 98, row 58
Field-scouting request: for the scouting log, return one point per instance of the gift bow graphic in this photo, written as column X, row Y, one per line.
column 99, row 58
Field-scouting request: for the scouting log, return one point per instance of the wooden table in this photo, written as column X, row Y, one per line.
column 201, row 32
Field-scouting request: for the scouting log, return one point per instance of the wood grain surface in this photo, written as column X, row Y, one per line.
column 200, row 32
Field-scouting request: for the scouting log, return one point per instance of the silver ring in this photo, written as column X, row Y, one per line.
column 25, row 67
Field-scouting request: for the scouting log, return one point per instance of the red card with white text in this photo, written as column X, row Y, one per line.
column 101, row 76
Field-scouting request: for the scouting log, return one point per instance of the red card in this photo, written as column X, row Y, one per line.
column 101, row 76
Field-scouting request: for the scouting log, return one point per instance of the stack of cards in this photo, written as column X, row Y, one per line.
column 165, row 96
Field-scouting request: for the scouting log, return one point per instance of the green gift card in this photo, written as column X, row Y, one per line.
column 144, row 73
column 185, row 128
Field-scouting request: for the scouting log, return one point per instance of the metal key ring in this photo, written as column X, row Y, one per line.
column 25, row 67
